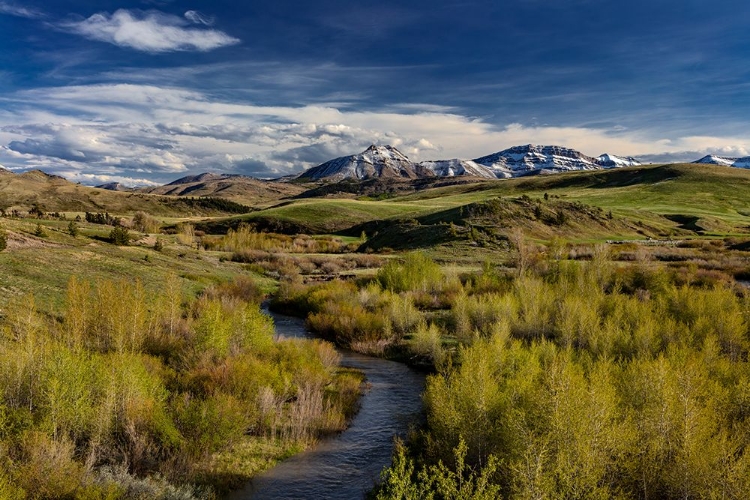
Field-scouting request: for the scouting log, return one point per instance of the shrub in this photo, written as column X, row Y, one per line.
column 119, row 236
column 39, row 232
column 185, row 234
column 73, row 229
column 144, row 223
column 3, row 240
column 417, row 273
column 426, row 342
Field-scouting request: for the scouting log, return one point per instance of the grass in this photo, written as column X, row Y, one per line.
column 55, row 194
column 253, row 455
column 45, row 265
column 649, row 201
column 685, row 189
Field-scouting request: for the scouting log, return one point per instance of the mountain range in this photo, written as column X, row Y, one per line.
column 388, row 162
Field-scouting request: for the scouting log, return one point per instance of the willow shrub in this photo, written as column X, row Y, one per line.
column 581, row 388
column 417, row 273
column 138, row 383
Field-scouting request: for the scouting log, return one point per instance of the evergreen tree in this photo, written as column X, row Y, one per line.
column 120, row 236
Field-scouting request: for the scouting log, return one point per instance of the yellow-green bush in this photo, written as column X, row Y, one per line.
column 150, row 385
column 581, row 387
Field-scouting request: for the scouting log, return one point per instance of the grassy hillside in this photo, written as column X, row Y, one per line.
column 659, row 201
column 718, row 196
column 324, row 215
column 55, row 194
column 45, row 264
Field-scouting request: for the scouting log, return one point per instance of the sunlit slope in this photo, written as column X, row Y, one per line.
column 51, row 193
column 702, row 198
column 45, row 264
column 703, row 191
column 324, row 215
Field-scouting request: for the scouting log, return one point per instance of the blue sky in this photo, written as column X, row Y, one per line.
column 148, row 91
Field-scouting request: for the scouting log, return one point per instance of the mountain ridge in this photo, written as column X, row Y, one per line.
column 387, row 161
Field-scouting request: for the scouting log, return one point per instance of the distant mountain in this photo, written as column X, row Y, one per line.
column 114, row 186
column 526, row 160
column 204, row 177
column 388, row 162
column 375, row 161
column 233, row 187
column 723, row 160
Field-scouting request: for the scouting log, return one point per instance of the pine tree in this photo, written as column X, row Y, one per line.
column 120, row 236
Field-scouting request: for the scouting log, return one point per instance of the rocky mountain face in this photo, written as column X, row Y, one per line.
column 452, row 168
column 726, row 161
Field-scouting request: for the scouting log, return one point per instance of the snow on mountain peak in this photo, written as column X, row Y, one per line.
column 610, row 161
column 726, row 161
column 375, row 161
column 387, row 161
column 531, row 159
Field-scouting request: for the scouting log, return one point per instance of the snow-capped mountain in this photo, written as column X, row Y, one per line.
column 387, row 161
column 455, row 167
column 530, row 159
column 375, row 161
column 611, row 161
column 723, row 160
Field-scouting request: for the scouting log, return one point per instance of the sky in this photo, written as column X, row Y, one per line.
column 147, row 91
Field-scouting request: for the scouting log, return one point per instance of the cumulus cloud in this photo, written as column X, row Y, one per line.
column 157, row 133
column 19, row 11
column 150, row 31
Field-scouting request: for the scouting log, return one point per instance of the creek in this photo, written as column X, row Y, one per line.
column 346, row 465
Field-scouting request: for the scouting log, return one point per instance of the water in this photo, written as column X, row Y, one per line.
column 346, row 466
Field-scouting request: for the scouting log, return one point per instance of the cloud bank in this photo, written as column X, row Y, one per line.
column 151, row 31
column 139, row 134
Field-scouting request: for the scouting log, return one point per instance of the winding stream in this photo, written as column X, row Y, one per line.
column 346, row 466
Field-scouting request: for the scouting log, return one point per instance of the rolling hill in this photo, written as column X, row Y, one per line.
column 236, row 188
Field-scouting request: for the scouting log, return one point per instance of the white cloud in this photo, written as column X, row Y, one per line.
column 196, row 17
column 155, row 133
column 18, row 11
column 150, row 31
